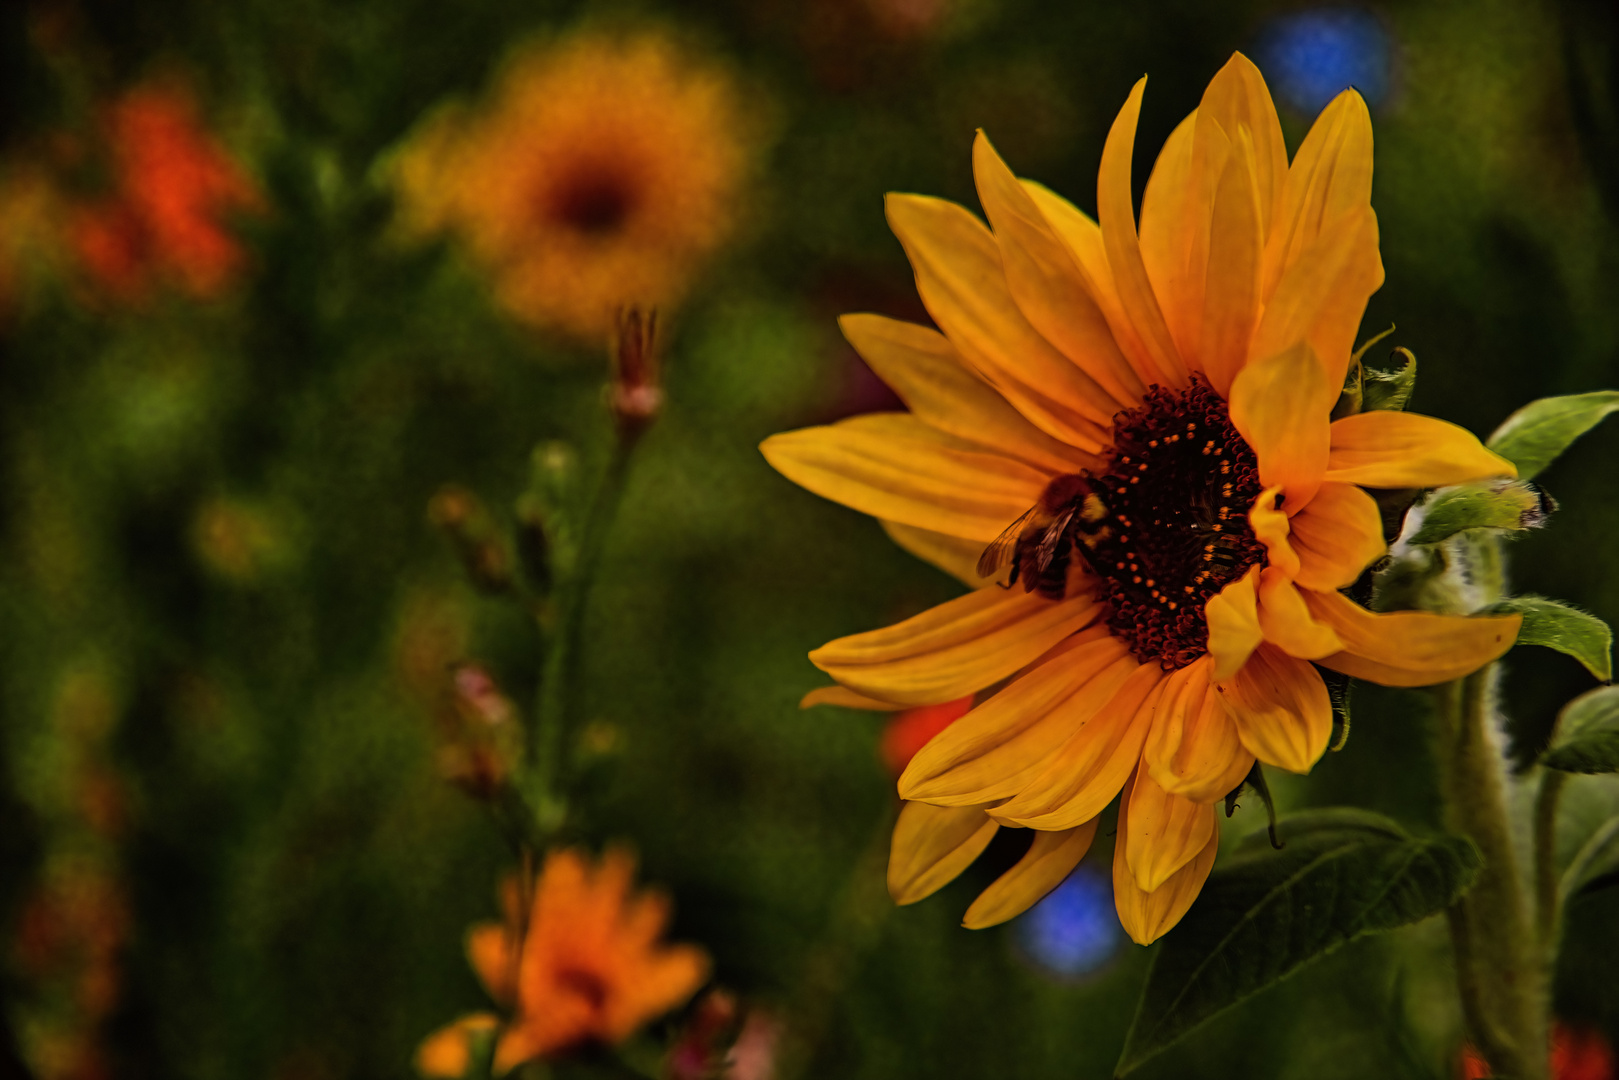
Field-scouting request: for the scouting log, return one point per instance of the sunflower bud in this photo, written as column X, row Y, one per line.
column 466, row 521
column 636, row 394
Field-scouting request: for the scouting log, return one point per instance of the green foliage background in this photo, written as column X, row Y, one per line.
column 300, row 877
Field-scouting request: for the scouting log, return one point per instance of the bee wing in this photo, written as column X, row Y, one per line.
column 1047, row 549
column 1001, row 552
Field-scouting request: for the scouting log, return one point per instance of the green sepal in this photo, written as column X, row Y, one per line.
column 1569, row 630
column 1351, row 399
column 1266, row 913
column 1587, row 734
column 1488, row 504
column 1390, row 390
column 1536, row 434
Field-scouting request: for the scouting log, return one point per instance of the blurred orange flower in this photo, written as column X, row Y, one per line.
column 1577, row 1054
column 587, row 967
column 599, row 173
column 173, row 186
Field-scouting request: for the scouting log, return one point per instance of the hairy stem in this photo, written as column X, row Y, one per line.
column 1499, row 963
column 1546, row 883
column 559, row 678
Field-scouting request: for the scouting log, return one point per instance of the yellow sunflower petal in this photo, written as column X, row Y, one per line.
column 1237, row 99
column 1147, row 916
column 1164, row 833
column 1280, row 405
column 1050, row 858
column 933, row 844
column 927, row 373
column 952, row 554
column 1280, row 704
column 1405, row 450
column 1236, row 246
column 1174, row 222
column 1045, row 281
column 954, row 649
column 1331, row 176
column 894, row 466
column 1116, row 209
column 1272, row 527
column 1193, row 749
column 1322, row 296
column 997, row 748
column 843, row 697
column 1410, row 648
column 961, row 280
column 1287, row 622
column 1233, row 618
column 1082, row 776
column 1336, row 537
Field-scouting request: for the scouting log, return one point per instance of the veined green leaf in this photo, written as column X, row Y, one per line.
column 1587, row 739
column 1490, row 504
column 1567, row 629
column 1532, row 437
column 1266, row 913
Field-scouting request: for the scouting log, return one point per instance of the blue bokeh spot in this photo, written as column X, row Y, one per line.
column 1308, row 57
column 1074, row 930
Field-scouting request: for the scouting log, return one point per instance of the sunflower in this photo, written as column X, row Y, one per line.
column 600, row 173
column 582, row 964
column 1161, row 396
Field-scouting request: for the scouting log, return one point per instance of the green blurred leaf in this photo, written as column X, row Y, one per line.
column 1597, row 858
column 1495, row 504
column 1536, row 434
column 1390, row 390
column 1567, row 629
column 1266, row 913
column 1587, row 739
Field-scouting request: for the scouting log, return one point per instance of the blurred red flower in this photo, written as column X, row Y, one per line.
column 1577, row 1054
column 911, row 729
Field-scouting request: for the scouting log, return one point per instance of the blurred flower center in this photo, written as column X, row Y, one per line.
column 1176, row 532
column 595, row 199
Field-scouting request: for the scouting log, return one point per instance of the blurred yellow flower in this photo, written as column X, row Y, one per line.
column 599, row 173
column 585, row 965
column 1137, row 421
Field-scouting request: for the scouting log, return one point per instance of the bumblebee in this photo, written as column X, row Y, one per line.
column 1037, row 546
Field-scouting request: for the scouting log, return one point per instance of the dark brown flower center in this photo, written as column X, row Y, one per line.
column 1176, row 532
column 595, row 200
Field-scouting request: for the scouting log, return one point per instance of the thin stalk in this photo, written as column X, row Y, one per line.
column 1546, row 883
column 559, row 678
column 1498, row 961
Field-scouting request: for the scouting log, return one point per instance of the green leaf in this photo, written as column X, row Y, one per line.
column 1265, row 914
column 1532, row 437
column 1597, row 858
column 1587, row 739
column 1390, row 390
column 1567, row 629
column 1491, row 504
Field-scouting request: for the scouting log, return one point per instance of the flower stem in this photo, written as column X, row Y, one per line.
column 558, row 681
column 1499, row 963
column 1546, row 883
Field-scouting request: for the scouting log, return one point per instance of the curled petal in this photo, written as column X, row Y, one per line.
column 1147, row 916
column 1283, row 713
column 1287, row 622
column 1050, row 858
column 894, row 466
column 1162, row 832
column 1336, row 537
column 1389, row 449
column 1280, row 405
column 1410, row 648
column 1193, row 749
column 1000, row 746
column 933, row 844
column 954, row 649
column 844, row 697
column 1271, row 526
column 927, row 373
column 1233, row 618
column 1082, row 776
